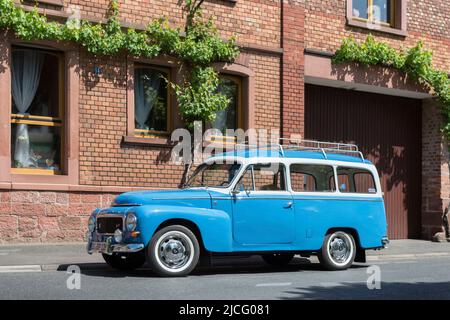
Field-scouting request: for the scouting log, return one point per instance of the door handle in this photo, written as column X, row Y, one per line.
column 288, row 205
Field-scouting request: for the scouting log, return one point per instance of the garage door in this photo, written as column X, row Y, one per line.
column 388, row 131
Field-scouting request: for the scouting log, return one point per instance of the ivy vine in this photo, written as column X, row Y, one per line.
column 198, row 46
column 416, row 62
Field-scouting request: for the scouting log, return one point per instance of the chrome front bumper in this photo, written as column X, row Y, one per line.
column 109, row 248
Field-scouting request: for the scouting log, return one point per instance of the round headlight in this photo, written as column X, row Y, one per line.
column 118, row 236
column 131, row 222
column 91, row 224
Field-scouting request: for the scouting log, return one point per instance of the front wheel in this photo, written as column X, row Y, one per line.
column 338, row 251
column 278, row 259
column 125, row 261
column 173, row 251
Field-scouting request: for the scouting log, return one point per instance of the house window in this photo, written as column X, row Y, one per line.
column 151, row 101
column 37, row 119
column 374, row 11
column 231, row 117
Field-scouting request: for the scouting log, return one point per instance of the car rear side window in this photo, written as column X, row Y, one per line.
column 355, row 180
column 312, row 178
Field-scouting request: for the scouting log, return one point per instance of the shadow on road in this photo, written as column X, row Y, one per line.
column 220, row 266
column 389, row 290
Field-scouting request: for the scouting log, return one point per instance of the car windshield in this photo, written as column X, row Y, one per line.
column 213, row 175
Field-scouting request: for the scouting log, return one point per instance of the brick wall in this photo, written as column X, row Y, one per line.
column 293, row 68
column 34, row 216
column 428, row 20
column 325, row 27
column 106, row 162
column 435, row 170
column 104, row 159
column 252, row 21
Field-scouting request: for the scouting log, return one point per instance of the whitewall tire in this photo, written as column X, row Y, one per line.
column 173, row 251
column 338, row 251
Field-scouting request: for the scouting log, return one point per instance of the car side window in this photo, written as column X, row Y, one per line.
column 263, row 177
column 312, row 178
column 355, row 180
column 269, row 177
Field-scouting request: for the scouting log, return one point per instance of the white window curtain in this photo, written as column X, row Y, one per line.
column 146, row 89
column 220, row 122
column 26, row 73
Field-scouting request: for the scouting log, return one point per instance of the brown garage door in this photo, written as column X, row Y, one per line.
column 388, row 131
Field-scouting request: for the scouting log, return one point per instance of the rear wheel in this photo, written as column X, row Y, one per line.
column 278, row 259
column 173, row 251
column 338, row 251
column 125, row 261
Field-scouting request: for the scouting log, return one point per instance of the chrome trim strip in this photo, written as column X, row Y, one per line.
column 385, row 241
column 132, row 247
column 115, row 248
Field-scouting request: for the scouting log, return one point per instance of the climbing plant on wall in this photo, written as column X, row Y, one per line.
column 197, row 46
column 416, row 62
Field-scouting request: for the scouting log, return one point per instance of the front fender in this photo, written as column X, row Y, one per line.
column 214, row 225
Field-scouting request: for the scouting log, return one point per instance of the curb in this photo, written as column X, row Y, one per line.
column 407, row 256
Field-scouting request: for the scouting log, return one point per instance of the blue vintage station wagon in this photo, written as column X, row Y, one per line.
column 279, row 201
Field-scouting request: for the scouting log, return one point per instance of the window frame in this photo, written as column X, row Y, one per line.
column 45, row 120
column 251, row 167
column 151, row 134
column 370, row 18
column 398, row 25
column 351, row 179
column 315, row 178
column 240, row 121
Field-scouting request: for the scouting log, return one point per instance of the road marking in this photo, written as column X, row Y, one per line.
column 404, row 262
column 340, row 284
column 27, row 268
column 8, row 251
column 274, row 284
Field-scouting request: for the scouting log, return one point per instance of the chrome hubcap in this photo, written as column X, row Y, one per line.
column 340, row 249
column 174, row 251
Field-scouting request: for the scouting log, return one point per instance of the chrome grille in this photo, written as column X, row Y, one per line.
column 109, row 224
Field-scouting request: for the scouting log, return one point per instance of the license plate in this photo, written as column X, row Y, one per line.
column 99, row 246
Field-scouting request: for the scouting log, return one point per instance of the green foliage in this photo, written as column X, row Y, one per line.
column 416, row 62
column 198, row 47
column 199, row 99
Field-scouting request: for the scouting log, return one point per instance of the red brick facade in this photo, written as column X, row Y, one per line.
column 272, row 34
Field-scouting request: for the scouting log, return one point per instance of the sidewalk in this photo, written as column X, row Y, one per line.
column 31, row 257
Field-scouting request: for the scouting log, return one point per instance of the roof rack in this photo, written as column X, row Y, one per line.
column 324, row 147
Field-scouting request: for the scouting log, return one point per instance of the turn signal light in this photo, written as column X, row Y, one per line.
column 134, row 234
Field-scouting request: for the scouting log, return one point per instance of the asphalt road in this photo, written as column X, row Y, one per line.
column 419, row 278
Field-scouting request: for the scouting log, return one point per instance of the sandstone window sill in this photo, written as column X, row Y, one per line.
column 150, row 142
column 59, row 3
column 376, row 27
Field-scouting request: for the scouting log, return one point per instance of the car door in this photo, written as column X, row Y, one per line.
column 263, row 210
